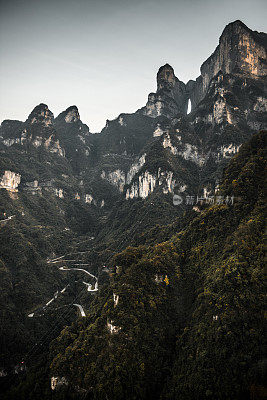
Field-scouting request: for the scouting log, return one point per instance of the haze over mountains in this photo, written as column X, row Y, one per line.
column 144, row 323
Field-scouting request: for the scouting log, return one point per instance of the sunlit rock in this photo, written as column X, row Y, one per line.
column 135, row 168
column 41, row 114
column 10, row 181
column 88, row 198
column 168, row 144
column 115, row 299
column 260, row 105
column 59, row 193
column 239, row 49
column 116, row 178
column 113, row 328
column 57, row 382
column 121, row 121
column 171, row 97
column 229, row 151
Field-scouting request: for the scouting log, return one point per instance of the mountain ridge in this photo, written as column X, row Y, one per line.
column 74, row 199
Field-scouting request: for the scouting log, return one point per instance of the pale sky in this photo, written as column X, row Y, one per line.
column 103, row 55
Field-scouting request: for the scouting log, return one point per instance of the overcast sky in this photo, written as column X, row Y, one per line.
column 103, row 55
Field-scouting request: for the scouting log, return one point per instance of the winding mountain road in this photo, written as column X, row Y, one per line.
column 89, row 285
column 89, row 289
column 7, row 219
column 81, row 309
column 78, row 269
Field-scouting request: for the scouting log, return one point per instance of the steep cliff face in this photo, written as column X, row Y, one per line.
column 189, row 151
column 74, row 137
column 240, row 51
column 37, row 131
column 10, row 181
column 170, row 98
column 42, row 115
column 71, row 114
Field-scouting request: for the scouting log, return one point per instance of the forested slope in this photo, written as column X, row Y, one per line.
column 188, row 322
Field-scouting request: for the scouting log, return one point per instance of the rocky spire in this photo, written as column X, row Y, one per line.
column 70, row 115
column 240, row 51
column 166, row 80
column 41, row 114
column 170, row 98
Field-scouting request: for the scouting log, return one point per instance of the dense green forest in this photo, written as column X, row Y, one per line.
column 188, row 321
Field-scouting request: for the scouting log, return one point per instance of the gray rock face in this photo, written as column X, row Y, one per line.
column 10, row 181
column 37, row 131
column 73, row 135
column 240, row 51
column 170, row 98
column 41, row 114
column 70, row 115
column 228, row 104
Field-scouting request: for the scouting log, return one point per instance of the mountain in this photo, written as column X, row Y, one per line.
column 183, row 318
column 149, row 180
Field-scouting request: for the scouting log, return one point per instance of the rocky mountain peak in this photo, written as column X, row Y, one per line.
column 236, row 25
column 41, row 114
column 166, row 78
column 170, row 98
column 70, row 115
column 240, row 51
column 237, row 28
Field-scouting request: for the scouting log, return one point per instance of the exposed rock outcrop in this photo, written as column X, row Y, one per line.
column 37, row 131
column 113, row 328
column 147, row 182
column 240, row 50
column 70, row 115
column 41, row 114
column 57, row 382
column 170, row 98
column 10, row 181
column 116, row 178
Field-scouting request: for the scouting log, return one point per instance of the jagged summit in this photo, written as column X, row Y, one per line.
column 239, row 30
column 167, row 65
column 236, row 23
column 240, row 51
column 236, row 26
column 71, row 114
column 165, row 69
column 41, row 114
column 166, row 78
column 170, row 98
column 40, row 108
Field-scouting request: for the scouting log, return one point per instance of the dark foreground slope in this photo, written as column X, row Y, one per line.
column 182, row 319
column 220, row 350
